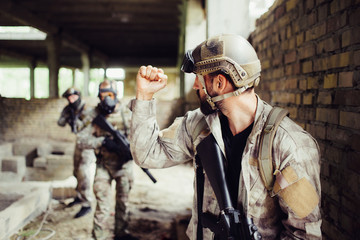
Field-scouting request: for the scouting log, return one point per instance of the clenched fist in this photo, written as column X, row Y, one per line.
column 149, row 80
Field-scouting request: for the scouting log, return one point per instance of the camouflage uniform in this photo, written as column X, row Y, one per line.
column 109, row 166
column 291, row 211
column 83, row 158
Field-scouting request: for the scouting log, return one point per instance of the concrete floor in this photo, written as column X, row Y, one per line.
column 157, row 211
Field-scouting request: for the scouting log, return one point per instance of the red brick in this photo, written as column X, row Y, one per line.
column 354, row 19
column 299, row 39
column 303, row 84
column 279, row 12
column 347, row 97
column 325, row 170
column 317, row 131
column 353, row 162
column 291, row 83
column 336, row 23
column 307, row 51
column 340, row 60
column 311, row 19
column 306, row 113
column 307, row 67
column 277, row 73
column 327, row 115
column 348, row 222
column 291, row 4
column 288, row 31
column 329, row 44
column 312, row 82
column 355, row 140
column 284, row 21
column 351, row 36
column 337, row 135
column 292, row 112
column 283, row 97
column 308, row 99
column 320, row 64
column 350, row 120
column 323, row 12
column 357, row 56
column 309, row 5
column 334, row 155
column 277, row 59
column 330, row 80
column 324, row 98
column 290, row 57
column 265, row 64
column 315, row 32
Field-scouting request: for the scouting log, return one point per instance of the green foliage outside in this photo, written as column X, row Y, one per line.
column 15, row 82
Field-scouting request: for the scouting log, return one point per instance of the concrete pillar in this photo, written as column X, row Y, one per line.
column 195, row 34
column 53, row 48
column 85, row 59
column 73, row 71
column 228, row 16
column 32, row 78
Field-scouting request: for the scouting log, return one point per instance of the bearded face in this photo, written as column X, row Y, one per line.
column 205, row 107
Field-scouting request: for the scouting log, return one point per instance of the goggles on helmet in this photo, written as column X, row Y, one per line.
column 110, row 90
column 188, row 64
column 70, row 91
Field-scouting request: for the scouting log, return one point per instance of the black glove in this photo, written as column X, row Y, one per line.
column 110, row 144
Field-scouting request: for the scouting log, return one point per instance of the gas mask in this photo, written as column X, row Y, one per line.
column 107, row 105
column 108, row 100
column 75, row 105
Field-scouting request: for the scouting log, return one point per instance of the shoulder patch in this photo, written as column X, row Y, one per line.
column 299, row 194
column 301, row 197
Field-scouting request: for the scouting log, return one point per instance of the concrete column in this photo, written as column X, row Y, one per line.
column 85, row 59
column 32, row 78
column 195, row 34
column 53, row 48
column 73, row 76
column 228, row 16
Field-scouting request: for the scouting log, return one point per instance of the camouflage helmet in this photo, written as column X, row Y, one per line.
column 71, row 91
column 108, row 86
column 231, row 54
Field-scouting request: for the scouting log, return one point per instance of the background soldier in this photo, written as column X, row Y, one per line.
column 77, row 116
column 110, row 165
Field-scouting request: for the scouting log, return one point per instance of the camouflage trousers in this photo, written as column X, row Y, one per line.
column 104, row 228
column 84, row 161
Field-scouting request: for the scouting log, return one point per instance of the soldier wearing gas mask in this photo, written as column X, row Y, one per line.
column 77, row 116
column 110, row 165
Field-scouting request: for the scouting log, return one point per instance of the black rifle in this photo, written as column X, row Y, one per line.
column 232, row 224
column 71, row 118
column 123, row 144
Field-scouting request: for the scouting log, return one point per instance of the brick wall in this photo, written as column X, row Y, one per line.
column 310, row 53
column 37, row 118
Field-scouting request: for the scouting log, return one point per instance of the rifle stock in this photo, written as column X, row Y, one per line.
column 231, row 224
column 120, row 138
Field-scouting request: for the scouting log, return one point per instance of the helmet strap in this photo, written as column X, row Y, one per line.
column 237, row 92
column 208, row 97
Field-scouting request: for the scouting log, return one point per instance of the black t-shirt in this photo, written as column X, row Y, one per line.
column 234, row 148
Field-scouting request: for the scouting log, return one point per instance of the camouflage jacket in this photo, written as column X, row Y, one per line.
column 290, row 211
column 92, row 136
